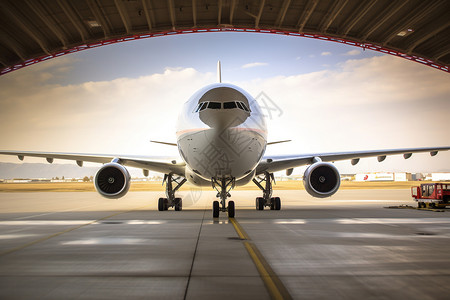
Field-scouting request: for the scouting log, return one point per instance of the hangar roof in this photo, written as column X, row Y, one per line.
column 36, row 30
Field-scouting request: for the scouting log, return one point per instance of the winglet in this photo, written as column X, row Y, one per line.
column 219, row 72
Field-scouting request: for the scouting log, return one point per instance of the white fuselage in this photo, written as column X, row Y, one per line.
column 221, row 134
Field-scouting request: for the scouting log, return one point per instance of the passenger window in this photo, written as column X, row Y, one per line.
column 229, row 105
column 215, row 105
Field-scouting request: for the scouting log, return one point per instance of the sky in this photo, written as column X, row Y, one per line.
column 324, row 96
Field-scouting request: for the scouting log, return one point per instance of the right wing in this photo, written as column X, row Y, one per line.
column 142, row 162
column 278, row 163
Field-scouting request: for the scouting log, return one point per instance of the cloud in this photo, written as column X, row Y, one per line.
column 372, row 103
column 120, row 115
column 353, row 52
column 255, row 64
column 325, row 53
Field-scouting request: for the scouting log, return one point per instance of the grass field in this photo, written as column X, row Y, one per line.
column 156, row 186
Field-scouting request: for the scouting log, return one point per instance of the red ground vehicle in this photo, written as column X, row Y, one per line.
column 432, row 195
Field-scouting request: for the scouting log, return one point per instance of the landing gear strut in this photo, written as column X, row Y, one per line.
column 171, row 200
column 266, row 200
column 223, row 187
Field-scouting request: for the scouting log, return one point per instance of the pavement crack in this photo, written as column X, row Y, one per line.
column 193, row 256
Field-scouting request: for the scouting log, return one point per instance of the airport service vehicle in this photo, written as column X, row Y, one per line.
column 431, row 195
column 222, row 138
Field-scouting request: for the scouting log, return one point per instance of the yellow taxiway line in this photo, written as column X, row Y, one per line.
column 274, row 286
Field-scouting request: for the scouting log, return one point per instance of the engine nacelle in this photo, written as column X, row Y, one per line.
column 321, row 179
column 112, row 180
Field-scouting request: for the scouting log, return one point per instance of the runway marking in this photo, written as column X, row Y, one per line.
column 394, row 221
column 274, row 286
column 44, row 222
column 106, row 241
column 14, row 236
column 65, row 231
column 54, row 212
column 239, row 230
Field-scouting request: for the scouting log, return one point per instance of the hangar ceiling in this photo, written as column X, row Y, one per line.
column 37, row 30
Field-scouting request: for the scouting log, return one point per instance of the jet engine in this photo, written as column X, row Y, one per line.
column 112, row 180
column 321, row 179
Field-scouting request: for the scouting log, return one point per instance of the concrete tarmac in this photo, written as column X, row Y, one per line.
column 82, row 246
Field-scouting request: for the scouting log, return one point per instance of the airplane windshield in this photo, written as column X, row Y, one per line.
column 215, row 105
column 204, row 105
column 229, row 105
column 218, row 105
column 245, row 107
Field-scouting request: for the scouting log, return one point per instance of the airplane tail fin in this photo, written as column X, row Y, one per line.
column 219, row 72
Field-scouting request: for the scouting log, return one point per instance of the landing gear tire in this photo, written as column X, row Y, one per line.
column 215, row 209
column 178, row 204
column 276, row 203
column 172, row 185
column 230, row 209
column 260, row 203
column 161, row 204
column 266, row 200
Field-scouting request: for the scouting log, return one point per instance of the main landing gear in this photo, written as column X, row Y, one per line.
column 171, row 200
column 223, row 187
column 267, row 200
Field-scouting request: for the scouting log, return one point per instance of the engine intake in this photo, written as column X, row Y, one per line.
column 321, row 179
column 112, row 180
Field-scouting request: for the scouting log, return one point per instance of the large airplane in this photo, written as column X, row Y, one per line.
column 221, row 138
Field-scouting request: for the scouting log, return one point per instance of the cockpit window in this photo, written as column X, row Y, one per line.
column 245, row 107
column 201, row 106
column 204, row 105
column 215, row 105
column 229, row 105
column 218, row 105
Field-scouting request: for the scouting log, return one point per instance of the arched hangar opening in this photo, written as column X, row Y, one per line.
column 35, row 31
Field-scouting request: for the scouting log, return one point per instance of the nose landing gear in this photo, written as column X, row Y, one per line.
column 223, row 187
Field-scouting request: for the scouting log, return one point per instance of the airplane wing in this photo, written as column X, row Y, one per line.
column 278, row 163
column 141, row 162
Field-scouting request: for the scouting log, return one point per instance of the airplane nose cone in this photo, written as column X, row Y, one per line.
column 221, row 119
column 223, row 107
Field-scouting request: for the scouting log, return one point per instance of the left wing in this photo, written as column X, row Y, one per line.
column 278, row 163
column 141, row 162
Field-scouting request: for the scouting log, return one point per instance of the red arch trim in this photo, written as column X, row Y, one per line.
column 370, row 46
